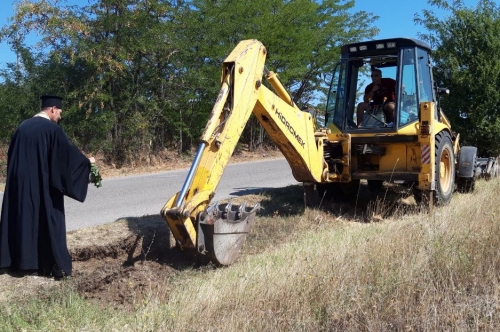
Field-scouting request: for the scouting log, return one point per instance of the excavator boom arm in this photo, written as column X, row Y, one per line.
column 193, row 221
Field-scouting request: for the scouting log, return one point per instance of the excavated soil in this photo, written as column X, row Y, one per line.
column 120, row 264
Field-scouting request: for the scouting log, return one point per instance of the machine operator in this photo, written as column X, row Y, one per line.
column 382, row 92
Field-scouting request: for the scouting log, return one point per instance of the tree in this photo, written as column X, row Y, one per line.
column 467, row 61
column 302, row 37
column 112, row 60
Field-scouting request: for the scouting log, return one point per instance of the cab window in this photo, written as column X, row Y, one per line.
column 408, row 105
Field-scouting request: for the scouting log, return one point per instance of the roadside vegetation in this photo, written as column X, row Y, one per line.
column 337, row 268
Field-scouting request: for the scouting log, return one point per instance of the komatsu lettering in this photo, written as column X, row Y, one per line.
column 290, row 128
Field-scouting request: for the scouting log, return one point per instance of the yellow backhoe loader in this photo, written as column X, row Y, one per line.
column 416, row 147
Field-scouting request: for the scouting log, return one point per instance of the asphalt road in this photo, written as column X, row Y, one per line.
column 140, row 195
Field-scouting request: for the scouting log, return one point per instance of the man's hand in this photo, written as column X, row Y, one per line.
column 92, row 160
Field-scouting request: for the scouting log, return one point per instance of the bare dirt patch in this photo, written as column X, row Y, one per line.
column 123, row 263
column 119, row 264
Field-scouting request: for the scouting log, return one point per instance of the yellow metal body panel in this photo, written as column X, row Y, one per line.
column 335, row 130
column 411, row 129
column 394, row 158
column 293, row 132
column 413, row 157
column 429, row 127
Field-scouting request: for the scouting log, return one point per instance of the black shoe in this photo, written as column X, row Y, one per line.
column 59, row 275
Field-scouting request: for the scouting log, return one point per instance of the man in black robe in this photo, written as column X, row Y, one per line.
column 43, row 166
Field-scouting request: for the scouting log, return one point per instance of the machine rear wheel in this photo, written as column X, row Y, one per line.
column 445, row 169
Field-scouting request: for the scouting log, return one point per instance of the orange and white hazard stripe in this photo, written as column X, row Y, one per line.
column 426, row 154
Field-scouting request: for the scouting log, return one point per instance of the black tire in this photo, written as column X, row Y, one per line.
column 466, row 173
column 445, row 169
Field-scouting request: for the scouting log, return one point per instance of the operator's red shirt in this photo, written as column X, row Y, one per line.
column 386, row 89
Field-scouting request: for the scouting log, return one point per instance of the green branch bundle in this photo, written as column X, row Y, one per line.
column 95, row 175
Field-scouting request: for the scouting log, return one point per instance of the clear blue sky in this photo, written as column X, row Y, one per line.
column 395, row 18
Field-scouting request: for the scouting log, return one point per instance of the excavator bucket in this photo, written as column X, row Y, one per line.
column 222, row 230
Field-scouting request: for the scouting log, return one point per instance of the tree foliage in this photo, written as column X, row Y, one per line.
column 141, row 76
column 467, row 59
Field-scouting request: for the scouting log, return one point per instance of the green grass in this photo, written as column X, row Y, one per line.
column 319, row 270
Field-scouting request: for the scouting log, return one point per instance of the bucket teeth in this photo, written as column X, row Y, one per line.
column 245, row 213
column 213, row 207
column 222, row 230
column 231, row 212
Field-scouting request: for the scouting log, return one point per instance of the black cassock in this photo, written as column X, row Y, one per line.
column 43, row 166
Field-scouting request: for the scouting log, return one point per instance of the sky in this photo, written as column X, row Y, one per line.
column 395, row 18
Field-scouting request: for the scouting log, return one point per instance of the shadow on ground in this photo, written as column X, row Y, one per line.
column 388, row 201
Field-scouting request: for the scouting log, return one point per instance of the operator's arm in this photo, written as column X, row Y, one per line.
column 369, row 91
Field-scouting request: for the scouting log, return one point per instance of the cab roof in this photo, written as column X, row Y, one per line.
column 379, row 45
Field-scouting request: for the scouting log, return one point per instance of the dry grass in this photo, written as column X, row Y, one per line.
column 417, row 273
column 319, row 270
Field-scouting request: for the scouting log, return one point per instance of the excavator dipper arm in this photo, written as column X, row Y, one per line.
column 220, row 230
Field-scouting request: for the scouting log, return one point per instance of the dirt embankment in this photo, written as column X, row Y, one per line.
column 116, row 264
column 121, row 263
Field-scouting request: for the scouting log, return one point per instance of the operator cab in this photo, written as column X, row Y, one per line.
column 407, row 61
